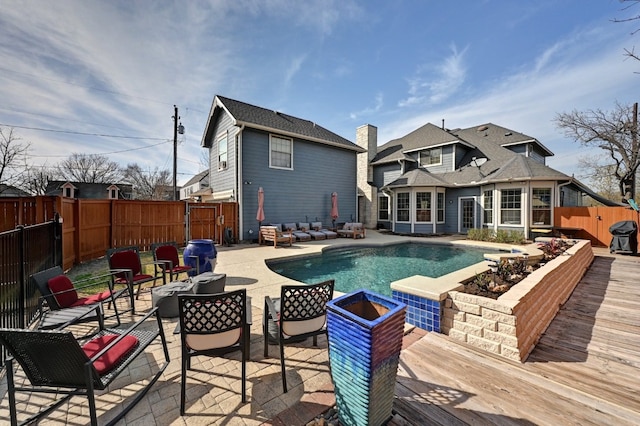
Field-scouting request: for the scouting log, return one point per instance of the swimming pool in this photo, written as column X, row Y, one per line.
column 375, row 268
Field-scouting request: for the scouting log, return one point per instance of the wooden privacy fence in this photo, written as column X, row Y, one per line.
column 592, row 223
column 90, row 227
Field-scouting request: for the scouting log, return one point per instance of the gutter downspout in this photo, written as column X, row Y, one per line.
column 239, row 188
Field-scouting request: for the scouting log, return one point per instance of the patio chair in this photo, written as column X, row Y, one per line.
column 299, row 313
column 55, row 362
column 60, row 304
column 213, row 325
column 352, row 229
column 167, row 253
column 275, row 236
column 127, row 268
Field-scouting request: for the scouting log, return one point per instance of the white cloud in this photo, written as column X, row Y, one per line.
column 434, row 84
column 376, row 108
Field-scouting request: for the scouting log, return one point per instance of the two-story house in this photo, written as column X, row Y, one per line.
column 296, row 162
column 197, row 188
column 435, row 180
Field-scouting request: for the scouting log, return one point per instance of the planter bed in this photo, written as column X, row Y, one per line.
column 509, row 326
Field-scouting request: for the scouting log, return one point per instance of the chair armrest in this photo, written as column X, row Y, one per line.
column 91, row 308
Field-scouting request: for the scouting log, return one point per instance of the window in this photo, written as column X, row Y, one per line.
column 431, row 157
column 281, row 152
column 402, row 208
column 510, row 203
column 423, row 207
column 541, row 206
column 383, row 207
column 487, row 197
column 113, row 194
column 440, row 206
column 222, row 153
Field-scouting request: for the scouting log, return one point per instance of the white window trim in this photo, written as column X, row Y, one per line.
column 414, row 211
column 397, row 196
column 222, row 164
column 270, row 150
column 550, row 187
column 444, row 207
column 523, row 207
column 388, row 219
column 493, row 207
column 430, row 165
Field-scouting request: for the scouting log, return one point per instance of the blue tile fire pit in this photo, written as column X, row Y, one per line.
column 365, row 332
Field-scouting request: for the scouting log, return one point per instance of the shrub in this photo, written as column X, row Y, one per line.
column 501, row 236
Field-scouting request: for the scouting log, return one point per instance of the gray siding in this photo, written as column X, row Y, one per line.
column 299, row 195
column 460, row 152
column 538, row 156
column 447, row 160
column 223, row 180
column 384, row 175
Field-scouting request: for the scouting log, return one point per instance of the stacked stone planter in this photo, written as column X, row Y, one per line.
column 365, row 333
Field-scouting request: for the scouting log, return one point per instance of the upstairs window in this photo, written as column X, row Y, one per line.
column 222, row 153
column 280, row 152
column 431, row 157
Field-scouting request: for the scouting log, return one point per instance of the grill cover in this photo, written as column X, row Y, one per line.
column 625, row 236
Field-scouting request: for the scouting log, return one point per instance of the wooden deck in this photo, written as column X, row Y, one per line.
column 585, row 370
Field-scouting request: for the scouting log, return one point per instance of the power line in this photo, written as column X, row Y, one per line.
column 72, row 132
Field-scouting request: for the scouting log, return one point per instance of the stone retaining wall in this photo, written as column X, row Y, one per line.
column 512, row 325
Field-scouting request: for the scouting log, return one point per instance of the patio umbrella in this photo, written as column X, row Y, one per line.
column 334, row 207
column 260, row 214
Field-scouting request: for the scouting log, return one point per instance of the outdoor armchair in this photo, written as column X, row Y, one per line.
column 63, row 302
column 55, row 362
column 125, row 262
column 167, row 260
column 213, row 325
column 299, row 313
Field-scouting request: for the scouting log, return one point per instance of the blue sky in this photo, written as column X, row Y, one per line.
column 89, row 70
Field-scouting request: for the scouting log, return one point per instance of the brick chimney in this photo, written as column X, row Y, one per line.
column 367, row 138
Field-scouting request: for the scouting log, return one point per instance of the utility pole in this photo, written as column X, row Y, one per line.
column 175, row 150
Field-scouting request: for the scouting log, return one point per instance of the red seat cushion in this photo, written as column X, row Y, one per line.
column 127, row 259
column 110, row 359
column 62, row 283
column 168, row 252
column 94, row 298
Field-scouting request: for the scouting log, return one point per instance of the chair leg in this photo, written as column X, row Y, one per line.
column 183, row 382
column 284, row 376
column 315, row 340
column 244, row 376
column 8, row 368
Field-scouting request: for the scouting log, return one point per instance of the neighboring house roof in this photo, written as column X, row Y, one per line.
column 499, row 135
column 200, row 177
column 90, row 190
column 269, row 120
column 12, row 191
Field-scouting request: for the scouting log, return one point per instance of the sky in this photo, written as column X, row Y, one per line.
column 102, row 77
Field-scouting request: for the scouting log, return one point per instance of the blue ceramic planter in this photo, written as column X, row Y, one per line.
column 365, row 332
column 206, row 254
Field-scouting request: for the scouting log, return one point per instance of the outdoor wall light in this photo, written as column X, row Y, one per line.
column 247, row 182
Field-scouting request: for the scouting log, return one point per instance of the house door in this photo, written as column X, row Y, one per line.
column 467, row 214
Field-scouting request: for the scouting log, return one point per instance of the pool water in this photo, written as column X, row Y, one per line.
column 375, row 268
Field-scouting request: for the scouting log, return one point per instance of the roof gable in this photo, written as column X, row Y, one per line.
column 244, row 114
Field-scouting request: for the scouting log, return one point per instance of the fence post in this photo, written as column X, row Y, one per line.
column 58, row 257
column 21, row 277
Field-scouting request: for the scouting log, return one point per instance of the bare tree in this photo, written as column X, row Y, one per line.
column 615, row 132
column 149, row 185
column 13, row 154
column 89, row 168
column 600, row 175
column 627, row 6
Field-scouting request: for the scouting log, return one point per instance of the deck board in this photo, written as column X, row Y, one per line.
column 584, row 370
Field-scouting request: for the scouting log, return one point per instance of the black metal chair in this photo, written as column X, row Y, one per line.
column 60, row 304
column 213, row 325
column 55, row 362
column 299, row 313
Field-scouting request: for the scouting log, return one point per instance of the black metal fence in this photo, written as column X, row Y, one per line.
column 23, row 252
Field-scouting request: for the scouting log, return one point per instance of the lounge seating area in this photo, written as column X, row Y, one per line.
column 300, row 234
column 352, row 230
